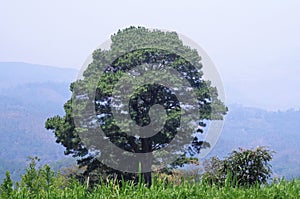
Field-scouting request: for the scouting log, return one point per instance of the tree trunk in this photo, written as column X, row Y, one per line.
column 147, row 163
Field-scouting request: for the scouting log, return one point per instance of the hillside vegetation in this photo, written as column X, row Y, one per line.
column 29, row 94
column 53, row 186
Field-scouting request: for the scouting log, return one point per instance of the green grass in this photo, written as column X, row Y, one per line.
column 44, row 183
column 281, row 189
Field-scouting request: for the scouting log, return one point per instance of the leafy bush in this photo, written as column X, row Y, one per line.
column 242, row 167
column 6, row 187
column 38, row 180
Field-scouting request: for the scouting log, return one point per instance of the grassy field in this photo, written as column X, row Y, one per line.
column 281, row 189
column 44, row 183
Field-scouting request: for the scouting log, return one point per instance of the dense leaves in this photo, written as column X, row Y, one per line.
column 242, row 167
column 131, row 48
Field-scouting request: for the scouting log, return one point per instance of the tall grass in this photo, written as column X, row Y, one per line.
column 160, row 189
column 43, row 183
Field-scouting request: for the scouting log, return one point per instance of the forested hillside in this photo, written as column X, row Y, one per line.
column 252, row 127
column 29, row 94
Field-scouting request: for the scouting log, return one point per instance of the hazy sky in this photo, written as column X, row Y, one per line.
column 255, row 44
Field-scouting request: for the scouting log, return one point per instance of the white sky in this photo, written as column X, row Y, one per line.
column 255, row 44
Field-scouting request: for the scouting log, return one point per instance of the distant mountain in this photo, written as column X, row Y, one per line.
column 251, row 127
column 19, row 73
column 29, row 94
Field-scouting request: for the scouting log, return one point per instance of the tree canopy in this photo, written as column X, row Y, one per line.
column 147, row 83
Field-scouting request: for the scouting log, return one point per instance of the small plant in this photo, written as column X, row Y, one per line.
column 242, row 167
column 30, row 178
column 6, row 187
column 38, row 180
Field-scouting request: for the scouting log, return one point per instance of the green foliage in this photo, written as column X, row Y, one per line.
column 38, row 183
column 39, row 180
column 6, row 187
column 159, row 189
column 31, row 177
column 241, row 168
column 133, row 47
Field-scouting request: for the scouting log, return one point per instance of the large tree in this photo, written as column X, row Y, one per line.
column 118, row 74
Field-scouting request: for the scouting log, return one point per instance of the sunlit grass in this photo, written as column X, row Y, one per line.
column 161, row 189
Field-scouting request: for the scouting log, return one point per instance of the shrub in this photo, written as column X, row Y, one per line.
column 242, row 167
column 37, row 180
column 6, row 187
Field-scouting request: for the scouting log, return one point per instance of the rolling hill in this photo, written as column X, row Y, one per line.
column 251, row 127
column 29, row 94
